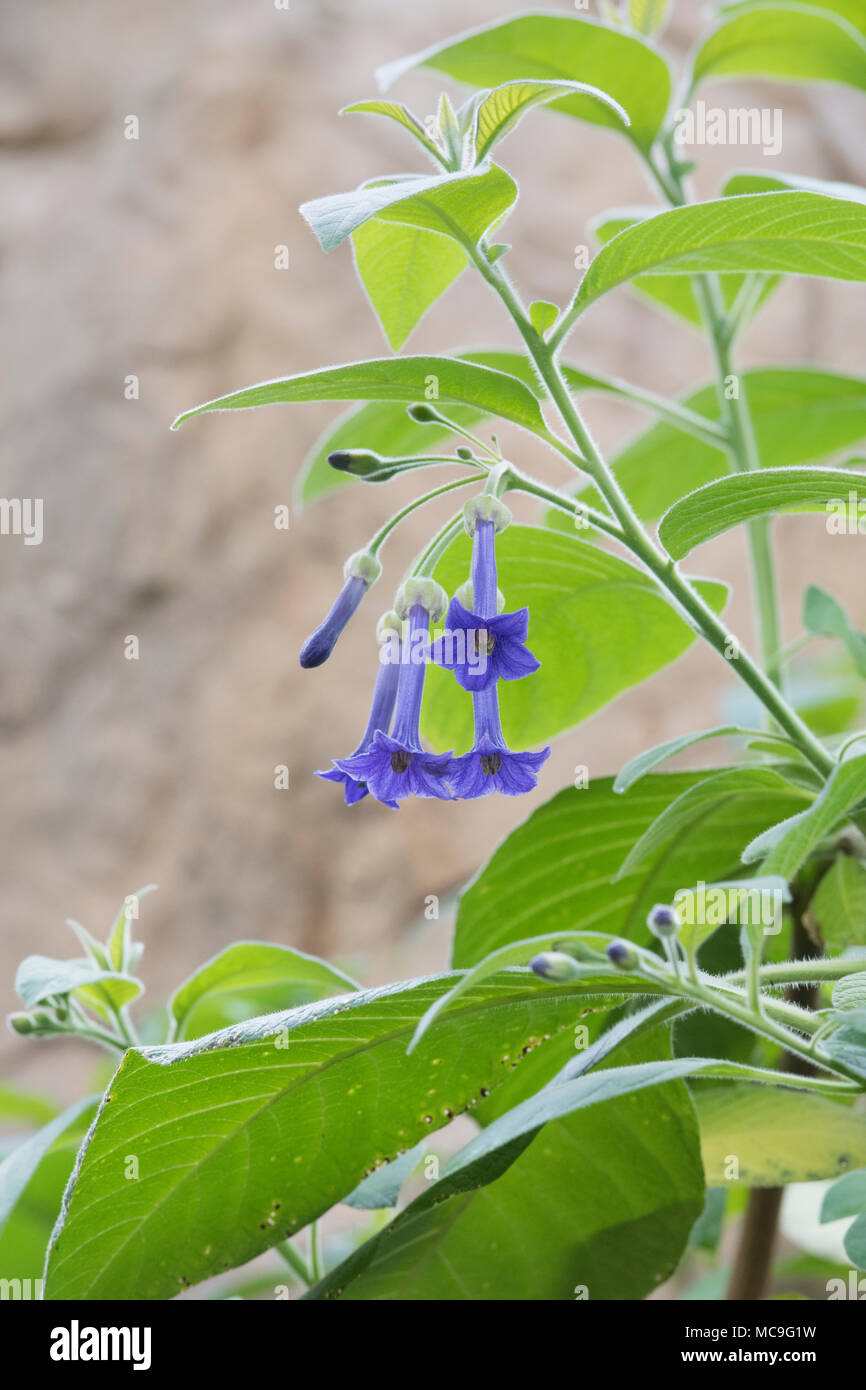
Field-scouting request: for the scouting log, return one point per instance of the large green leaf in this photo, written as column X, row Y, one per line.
column 249, row 978
column 800, row 233
column 605, row 1204
column 556, row 872
column 852, row 10
column 778, row 1136
column 597, row 625
column 787, row 845
column 243, row 1137
column 404, row 271
column 726, row 502
column 445, row 380
column 32, row 1179
column 557, row 47
column 675, row 293
column 387, row 430
column 799, row 416
column 462, row 205
column 18, row 1167
column 759, row 786
column 382, row 1260
column 787, row 41
column 757, row 181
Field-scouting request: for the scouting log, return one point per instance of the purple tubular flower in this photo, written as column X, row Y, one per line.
column 396, row 766
column 490, row 765
column 484, row 646
column 361, row 571
column 381, row 710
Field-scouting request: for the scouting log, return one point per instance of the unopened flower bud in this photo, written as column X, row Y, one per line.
column 360, row 571
column 663, row 921
column 555, row 966
column 425, row 414
column 623, row 955
column 464, row 453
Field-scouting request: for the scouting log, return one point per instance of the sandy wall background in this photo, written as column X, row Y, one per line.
column 155, row 257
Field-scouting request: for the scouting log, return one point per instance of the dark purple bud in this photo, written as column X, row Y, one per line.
column 623, row 955
column 555, row 966
column 663, row 921
column 361, row 571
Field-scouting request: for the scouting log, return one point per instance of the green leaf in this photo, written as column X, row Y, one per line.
column 778, row 1136
column 404, row 271
column 31, row 1192
column 386, row 429
column 643, row 763
column 648, row 16
column 847, row 1197
column 543, row 315
column 40, row 978
column 824, row 616
column 383, row 1187
column 618, row 1231
column 394, row 111
column 756, row 181
column 499, row 111
column 799, row 416
column 726, row 502
column 598, row 626
column 18, row 1167
column 554, row 47
column 673, row 292
column 838, row 909
column 788, row 845
column 798, row 233
column 557, row 869
column 249, row 978
column 462, row 205
column 407, row 379
column 852, row 10
column 756, row 785
column 245, row 1136
column 789, row 42
column 494, row 1150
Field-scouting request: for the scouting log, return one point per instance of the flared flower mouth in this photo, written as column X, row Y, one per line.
column 488, row 768
column 392, row 771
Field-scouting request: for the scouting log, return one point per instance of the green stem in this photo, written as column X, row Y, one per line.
column 316, row 1267
column 375, row 545
column 688, row 600
column 296, row 1262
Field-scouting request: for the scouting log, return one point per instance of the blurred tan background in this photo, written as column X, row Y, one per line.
column 155, row 258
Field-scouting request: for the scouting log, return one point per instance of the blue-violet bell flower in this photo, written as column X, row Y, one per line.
column 361, row 571
column 381, row 709
column 490, row 765
column 482, row 645
column 396, row 765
